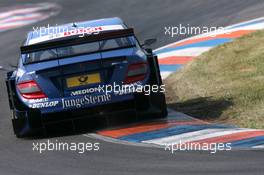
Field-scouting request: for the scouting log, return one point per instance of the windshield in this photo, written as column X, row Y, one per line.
column 74, row 50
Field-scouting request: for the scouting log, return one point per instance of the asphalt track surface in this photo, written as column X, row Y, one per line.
column 149, row 19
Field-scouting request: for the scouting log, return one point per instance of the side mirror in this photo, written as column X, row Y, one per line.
column 149, row 51
column 149, row 42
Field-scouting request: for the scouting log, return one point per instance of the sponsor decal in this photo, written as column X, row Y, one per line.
column 37, row 100
column 44, row 104
column 87, row 91
column 106, row 89
column 88, row 30
column 85, row 100
column 68, row 103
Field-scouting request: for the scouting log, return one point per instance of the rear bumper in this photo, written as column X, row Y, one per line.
column 76, row 103
column 107, row 110
column 128, row 108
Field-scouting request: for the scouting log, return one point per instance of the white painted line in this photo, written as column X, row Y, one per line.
column 117, row 141
column 193, row 52
column 165, row 74
column 259, row 146
column 195, row 136
column 226, row 29
column 17, row 24
column 257, row 26
column 21, row 17
column 21, row 10
column 245, row 22
column 27, row 14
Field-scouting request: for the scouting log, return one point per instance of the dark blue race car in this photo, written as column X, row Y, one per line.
column 79, row 70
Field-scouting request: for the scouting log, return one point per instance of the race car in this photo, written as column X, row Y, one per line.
column 75, row 71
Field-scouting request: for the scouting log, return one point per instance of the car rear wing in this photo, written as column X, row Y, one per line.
column 77, row 39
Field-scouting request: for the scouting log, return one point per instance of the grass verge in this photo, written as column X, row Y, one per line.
column 225, row 84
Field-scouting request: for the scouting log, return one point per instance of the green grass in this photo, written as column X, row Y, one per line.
column 225, row 84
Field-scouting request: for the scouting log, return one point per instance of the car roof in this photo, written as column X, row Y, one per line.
column 37, row 33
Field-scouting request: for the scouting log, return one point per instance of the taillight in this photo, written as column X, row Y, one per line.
column 30, row 90
column 136, row 72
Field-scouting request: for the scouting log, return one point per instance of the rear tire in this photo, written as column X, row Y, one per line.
column 18, row 125
column 158, row 101
column 26, row 126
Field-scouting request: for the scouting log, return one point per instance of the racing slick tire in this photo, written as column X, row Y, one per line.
column 18, row 125
column 27, row 124
column 157, row 98
column 155, row 102
column 25, row 121
column 151, row 106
